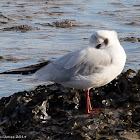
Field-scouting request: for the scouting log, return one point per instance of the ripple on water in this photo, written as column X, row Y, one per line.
column 30, row 47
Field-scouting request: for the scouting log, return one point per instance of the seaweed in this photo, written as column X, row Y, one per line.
column 21, row 28
column 56, row 112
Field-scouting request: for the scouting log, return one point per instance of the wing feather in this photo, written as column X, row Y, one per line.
column 83, row 62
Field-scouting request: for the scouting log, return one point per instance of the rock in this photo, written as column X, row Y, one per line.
column 56, row 112
column 134, row 23
column 21, row 28
column 1, row 57
column 62, row 24
column 130, row 39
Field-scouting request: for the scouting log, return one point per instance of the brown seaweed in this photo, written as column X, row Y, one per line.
column 21, row 28
column 23, row 113
column 130, row 39
column 62, row 24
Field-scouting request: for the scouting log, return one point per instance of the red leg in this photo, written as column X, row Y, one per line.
column 89, row 109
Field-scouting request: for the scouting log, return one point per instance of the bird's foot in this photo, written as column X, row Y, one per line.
column 95, row 110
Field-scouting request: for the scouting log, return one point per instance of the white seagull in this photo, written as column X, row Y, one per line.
column 90, row 67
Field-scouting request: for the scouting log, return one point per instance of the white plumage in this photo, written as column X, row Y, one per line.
column 91, row 67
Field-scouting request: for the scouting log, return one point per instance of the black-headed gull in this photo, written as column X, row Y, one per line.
column 90, row 67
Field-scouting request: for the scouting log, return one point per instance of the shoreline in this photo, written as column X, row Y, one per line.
column 23, row 113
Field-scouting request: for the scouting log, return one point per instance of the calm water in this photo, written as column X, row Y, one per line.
column 23, row 49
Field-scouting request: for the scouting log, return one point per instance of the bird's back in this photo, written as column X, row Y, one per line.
column 88, row 67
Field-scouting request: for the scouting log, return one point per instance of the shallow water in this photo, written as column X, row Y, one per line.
column 25, row 48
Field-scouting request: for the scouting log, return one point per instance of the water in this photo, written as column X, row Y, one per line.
column 23, row 49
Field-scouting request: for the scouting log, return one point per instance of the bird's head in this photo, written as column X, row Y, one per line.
column 103, row 39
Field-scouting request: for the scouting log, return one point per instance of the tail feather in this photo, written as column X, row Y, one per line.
column 27, row 70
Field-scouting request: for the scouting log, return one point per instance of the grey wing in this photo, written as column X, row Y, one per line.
column 54, row 70
column 88, row 61
column 84, row 62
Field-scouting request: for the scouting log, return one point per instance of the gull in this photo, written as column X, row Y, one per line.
column 91, row 67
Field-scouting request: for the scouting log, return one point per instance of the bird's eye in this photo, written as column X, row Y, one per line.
column 98, row 46
column 106, row 41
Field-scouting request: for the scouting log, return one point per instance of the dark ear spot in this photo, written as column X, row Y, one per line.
column 106, row 41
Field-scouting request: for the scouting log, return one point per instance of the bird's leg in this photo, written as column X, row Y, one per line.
column 89, row 109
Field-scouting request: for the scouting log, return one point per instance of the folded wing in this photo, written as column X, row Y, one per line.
column 83, row 62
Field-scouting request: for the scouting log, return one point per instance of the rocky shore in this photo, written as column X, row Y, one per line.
column 55, row 112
